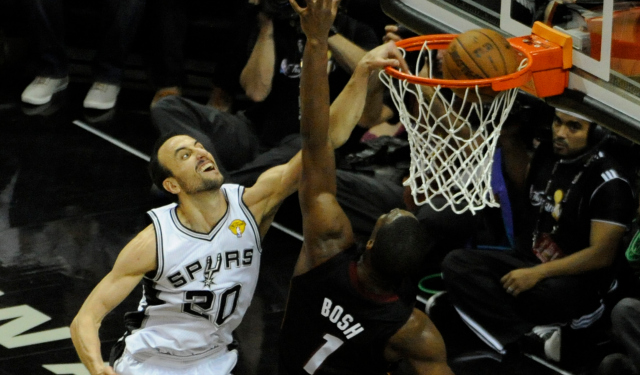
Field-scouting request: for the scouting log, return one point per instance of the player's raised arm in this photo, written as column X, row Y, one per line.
column 326, row 227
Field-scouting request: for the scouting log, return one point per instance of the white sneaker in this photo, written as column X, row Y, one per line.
column 101, row 96
column 552, row 346
column 42, row 89
column 543, row 341
column 433, row 300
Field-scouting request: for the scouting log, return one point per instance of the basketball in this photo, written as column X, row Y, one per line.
column 479, row 54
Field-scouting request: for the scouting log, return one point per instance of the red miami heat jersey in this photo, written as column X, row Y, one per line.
column 203, row 284
column 330, row 327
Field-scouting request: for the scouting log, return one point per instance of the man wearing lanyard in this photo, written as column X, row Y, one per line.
column 579, row 206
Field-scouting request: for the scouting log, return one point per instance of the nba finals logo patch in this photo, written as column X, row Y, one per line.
column 237, row 227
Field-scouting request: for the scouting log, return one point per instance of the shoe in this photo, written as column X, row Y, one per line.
column 101, row 96
column 50, row 108
column 42, row 89
column 543, row 341
column 164, row 92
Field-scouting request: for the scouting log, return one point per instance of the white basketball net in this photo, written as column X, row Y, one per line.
column 450, row 157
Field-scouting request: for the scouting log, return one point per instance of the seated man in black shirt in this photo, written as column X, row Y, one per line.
column 577, row 207
column 349, row 313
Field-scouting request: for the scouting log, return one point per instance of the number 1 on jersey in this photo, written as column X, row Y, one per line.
column 332, row 344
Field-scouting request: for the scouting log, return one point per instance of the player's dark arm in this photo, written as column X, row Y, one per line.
column 419, row 343
column 326, row 228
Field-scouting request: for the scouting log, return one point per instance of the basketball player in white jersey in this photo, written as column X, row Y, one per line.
column 199, row 259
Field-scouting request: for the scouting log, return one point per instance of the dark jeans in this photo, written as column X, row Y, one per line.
column 169, row 21
column 119, row 21
column 473, row 281
column 625, row 324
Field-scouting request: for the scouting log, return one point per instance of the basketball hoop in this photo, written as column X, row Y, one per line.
column 453, row 136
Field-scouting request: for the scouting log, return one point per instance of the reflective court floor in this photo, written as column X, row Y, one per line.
column 74, row 190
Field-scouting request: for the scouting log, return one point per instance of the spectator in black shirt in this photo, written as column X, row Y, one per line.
column 579, row 205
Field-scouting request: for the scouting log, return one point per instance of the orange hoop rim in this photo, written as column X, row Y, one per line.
column 441, row 41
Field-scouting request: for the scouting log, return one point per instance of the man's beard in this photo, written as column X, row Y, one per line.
column 205, row 185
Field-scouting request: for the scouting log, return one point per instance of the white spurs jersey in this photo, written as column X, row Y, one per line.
column 202, row 287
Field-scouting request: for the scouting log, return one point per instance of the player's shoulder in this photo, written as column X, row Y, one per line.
column 139, row 255
column 261, row 190
column 145, row 240
column 418, row 338
column 416, row 325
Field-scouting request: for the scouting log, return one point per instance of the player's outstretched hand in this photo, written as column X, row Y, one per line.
column 316, row 18
column 385, row 55
column 396, row 33
column 391, row 34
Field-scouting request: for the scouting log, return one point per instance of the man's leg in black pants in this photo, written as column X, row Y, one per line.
column 46, row 23
column 473, row 281
column 559, row 299
column 247, row 174
column 625, row 320
column 169, row 23
column 120, row 22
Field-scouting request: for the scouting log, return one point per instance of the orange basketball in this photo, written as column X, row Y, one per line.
column 478, row 54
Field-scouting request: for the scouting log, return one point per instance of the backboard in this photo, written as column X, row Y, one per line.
column 606, row 45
